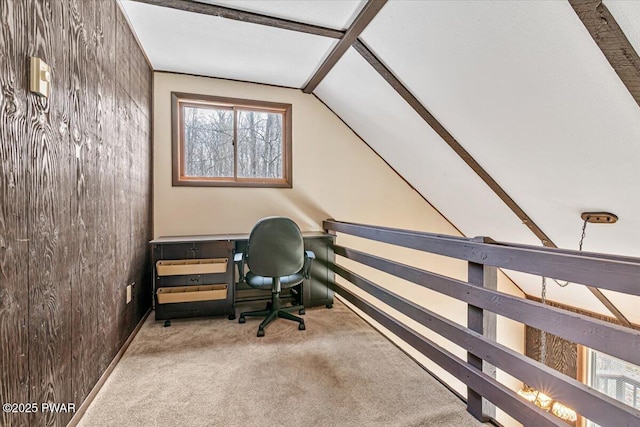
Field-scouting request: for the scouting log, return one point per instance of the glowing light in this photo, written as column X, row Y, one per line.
column 564, row 412
column 536, row 397
column 547, row 403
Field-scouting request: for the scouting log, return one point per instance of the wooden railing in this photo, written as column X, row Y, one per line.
column 484, row 256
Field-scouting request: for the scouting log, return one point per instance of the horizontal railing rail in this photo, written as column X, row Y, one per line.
column 585, row 330
column 605, row 273
column 616, row 340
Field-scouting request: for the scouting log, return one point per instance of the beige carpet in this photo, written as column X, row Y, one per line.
column 216, row 372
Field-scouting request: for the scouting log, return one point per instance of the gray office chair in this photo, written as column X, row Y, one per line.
column 276, row 259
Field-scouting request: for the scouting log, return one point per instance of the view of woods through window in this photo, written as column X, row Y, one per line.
column 209, row 134
column 229, row 142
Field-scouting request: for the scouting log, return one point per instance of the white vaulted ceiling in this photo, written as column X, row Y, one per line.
column 192, row 43
column 522, row 86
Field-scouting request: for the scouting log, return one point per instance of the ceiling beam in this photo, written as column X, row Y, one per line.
column 250, row 17
column 366, row 15
column 612, row 42
column 395, row 83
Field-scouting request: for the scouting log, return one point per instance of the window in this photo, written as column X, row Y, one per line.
column 230, row 142
column 615, row 378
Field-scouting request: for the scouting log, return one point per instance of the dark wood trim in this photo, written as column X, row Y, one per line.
column 483, row 384
column 576, row 267
column 484, row 323
column 612, row 42
column 180, row 99
column 366, row 15
column 589, row 402
column 593, row 333
column 249, row 17
column 175, row 140
column 96, row 389
column 225, row 101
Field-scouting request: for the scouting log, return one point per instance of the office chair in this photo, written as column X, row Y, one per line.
column 276, row 259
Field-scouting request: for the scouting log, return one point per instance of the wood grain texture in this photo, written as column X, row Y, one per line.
column 107, row 338
column 82, row 93
column 14, row 321
column 561, row 354
column 612, row 42
column 64, row 173
column 50, row 239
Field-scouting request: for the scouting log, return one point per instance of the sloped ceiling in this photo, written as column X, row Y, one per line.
column 536, row 109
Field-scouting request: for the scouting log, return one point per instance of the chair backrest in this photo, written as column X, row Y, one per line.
column 276, row 247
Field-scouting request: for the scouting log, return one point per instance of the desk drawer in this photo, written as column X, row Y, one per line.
column 183, row 267
column 178, row 294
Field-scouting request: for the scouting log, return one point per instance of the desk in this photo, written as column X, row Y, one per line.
column 315, row 291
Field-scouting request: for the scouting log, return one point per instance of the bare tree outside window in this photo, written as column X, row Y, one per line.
column 208, row 142
column 259, row 144
column 230, row 142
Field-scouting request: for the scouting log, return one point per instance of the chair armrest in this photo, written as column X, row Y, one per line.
column 238, row 259
column 309, row 256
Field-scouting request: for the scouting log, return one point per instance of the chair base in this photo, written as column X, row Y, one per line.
column 273, row 312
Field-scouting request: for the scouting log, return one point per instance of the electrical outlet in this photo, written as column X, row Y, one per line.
column 129, row 293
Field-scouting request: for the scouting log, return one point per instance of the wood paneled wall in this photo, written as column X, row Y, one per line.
column 75, row 200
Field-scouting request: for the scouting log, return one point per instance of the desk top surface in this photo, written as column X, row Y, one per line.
column 223, row 237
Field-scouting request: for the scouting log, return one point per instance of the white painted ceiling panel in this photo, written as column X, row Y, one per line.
column 377, row 113
column 525, row 89
column 357, row 93
column 327, row 13
column 206, row 45
column 627, row 15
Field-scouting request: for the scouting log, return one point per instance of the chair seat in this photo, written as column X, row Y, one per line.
column 261, row 282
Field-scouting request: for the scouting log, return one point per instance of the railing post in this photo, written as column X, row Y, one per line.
column 485, row 323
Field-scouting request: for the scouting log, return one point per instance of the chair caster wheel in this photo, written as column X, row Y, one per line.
column 242, row 320
column 301, row 327
column 329, row 305
column 301, row 311
column 167, row 323
column 260, row 332
column 232, row 317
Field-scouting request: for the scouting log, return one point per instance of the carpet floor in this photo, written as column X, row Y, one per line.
column 216, row 372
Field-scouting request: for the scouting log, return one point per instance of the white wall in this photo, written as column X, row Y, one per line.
column 335, row 175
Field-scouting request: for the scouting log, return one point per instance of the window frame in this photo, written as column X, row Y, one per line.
column 180, row 99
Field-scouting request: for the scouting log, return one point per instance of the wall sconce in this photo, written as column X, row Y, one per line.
column 40, row 77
